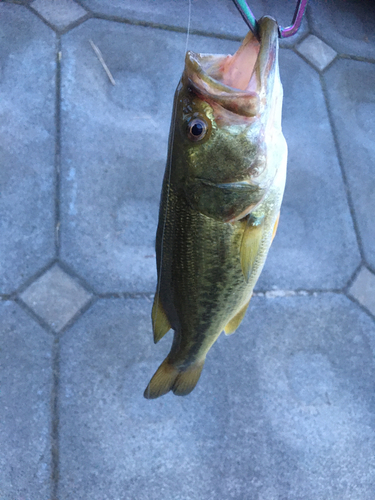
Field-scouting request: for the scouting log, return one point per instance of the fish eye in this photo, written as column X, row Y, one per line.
column 197, row 129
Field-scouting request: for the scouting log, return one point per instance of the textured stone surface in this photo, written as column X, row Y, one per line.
column 316, row 51
column 350, row 89
column 27, row 145
column 55, row 297
column 346, row 26
column 363, row 289
column 59, row 13
column 221, row 18
column 315, row 245
column 25, row 392
column 284, row 407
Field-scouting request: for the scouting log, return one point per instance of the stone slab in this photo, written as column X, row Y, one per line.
column 315, row 245
column 350, row 89
column 25, row 395
column 221, row 18
column 27, row 145
column 60, row 14
column 347, row 26
column 363, row 289
column 316, row 51
column 56, row 297
column 284, row 407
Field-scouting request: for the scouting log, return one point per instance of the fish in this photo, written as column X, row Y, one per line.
column 220, row 202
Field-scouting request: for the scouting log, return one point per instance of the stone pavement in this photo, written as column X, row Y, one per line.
column 285, row 408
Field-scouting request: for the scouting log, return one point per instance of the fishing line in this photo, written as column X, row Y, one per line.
column 188, row 27
column 169, row 169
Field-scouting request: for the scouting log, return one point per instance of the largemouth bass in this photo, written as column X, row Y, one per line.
column 220, row 202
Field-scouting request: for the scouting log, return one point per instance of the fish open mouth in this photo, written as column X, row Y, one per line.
column 238, row 83
column 237, row 71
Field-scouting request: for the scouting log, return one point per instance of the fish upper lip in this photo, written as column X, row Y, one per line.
column 247, row 103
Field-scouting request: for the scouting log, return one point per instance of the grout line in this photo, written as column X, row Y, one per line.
column 35, row 316
column 307, row 61
column 257, row 293
column 58, row 146
column 343, row 173
column 295, row 293
column 55, row 419
column 4, row 297
column 74, row 24
column 77, row 315
column 167, row 27
column 126, row 295
column 308, row 17
column 33, row 278
column 70, row 272
column 352, row 279
column 36, row 13
column 16, row 2
column 362, row 307
column 356, row 58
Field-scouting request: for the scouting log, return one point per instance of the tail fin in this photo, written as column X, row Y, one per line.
column 167, row 378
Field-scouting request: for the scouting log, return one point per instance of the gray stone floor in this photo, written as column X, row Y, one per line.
column 285, row 408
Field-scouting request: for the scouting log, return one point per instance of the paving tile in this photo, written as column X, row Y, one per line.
column 26, row 384
column 56, row 297
column 316, row 51
column 347, row 26
column 284, row 407
column 363, row 289
column 27, row 148
column 60, row 14
column 315, row 245
column 350, row 89
column 221, row 18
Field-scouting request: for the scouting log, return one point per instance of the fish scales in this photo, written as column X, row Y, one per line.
column 220, row 201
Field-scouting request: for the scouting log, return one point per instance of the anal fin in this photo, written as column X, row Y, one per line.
column 234, row 323
column 160, row 323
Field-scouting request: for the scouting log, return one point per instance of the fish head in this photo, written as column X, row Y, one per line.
column 226, row 126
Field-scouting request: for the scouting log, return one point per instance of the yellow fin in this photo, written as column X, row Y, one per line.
column 234, row 323
column 250, row 245
column 160, row 323
column 275, row 226
column 187, row 380
column 167, row 378
column 162, row 381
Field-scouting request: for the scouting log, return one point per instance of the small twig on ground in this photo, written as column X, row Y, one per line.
column 100, row 57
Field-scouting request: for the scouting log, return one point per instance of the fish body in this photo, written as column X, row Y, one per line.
column 220, row 202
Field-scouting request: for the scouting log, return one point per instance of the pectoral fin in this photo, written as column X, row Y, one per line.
column 275, row 226
column 250, row 245
column 160, row 323
column 234, row 323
